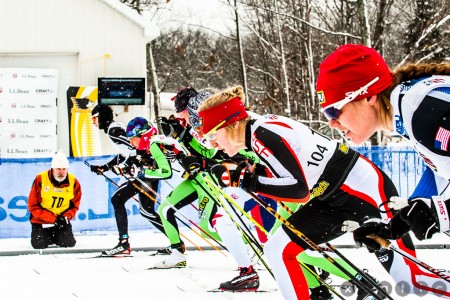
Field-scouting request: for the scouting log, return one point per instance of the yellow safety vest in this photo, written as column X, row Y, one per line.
column 56, row 199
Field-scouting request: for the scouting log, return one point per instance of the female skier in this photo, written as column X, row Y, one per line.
column 212, row 217
column 302, row 163
column 102, row 117
column 413, row 102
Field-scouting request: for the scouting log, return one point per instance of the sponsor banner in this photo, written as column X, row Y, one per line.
column 96, row 212
column 28, row 112
column 84, row 137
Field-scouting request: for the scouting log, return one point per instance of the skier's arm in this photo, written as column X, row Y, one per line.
column 163, row 168
column 288, row 183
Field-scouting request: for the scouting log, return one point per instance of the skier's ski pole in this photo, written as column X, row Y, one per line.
column 367, row 278
column 247, row 235
column 152, row 221
column 319, row 249
column 178, row 211
column 116, row 185
column 338, row 253
column 306, row 267
column 388, row 245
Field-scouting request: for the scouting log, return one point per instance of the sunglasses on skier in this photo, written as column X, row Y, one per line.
column 333, row 111
column 212, row 134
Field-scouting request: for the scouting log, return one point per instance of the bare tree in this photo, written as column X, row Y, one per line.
column 277, row 47
column 428, row 32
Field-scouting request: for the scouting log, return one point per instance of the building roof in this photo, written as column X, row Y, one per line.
column 151, row 31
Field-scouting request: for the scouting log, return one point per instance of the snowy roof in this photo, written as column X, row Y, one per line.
column 151, row 30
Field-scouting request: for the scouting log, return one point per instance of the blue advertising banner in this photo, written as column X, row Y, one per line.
column 96, row 212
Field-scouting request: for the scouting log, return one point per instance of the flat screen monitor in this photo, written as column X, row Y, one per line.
column 121, row 91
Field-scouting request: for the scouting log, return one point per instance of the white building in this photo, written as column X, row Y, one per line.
column 82, row 40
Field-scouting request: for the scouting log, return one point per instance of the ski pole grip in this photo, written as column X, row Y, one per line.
column 382, row 241
column 87, row 163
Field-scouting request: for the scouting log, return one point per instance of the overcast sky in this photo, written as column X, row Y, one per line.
column 210, row 14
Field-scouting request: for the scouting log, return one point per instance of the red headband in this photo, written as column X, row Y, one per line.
column 228, row 112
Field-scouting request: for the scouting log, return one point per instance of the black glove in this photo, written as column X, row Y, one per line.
column 392, row 230
column 230, row 174
column 360, row 235
column 124, row 170
column 422, row 216
column 99, row 170
column 61, row 222
column 193, row 164
column 171, row 128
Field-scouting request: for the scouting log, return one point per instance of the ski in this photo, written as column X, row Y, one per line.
column 218, row 290
column 161, row 268
column 156, row 253
column 107, row 256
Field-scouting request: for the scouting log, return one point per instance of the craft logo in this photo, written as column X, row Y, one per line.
column 42, row 151
column 13, row 135
column 13, row 105
column 44, row 91
column 17, row 121
column 14, row 75
column 18, row 91
column 46, row 106
column 42, row 121
column 320, row 188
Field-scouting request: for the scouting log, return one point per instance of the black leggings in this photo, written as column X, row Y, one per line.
column 146, row 204
column 330, row 215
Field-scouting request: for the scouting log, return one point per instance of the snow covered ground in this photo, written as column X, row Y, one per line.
column 73, row 273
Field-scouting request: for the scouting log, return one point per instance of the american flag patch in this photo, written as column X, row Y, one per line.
column 441, row 139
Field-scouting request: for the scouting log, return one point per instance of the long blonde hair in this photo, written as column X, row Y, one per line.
column 405, row 73
column 236, row 131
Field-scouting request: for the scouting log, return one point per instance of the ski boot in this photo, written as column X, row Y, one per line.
column 320, row 293
column 246, row 281
column 168, row 250
column 363, row 295
column 176, row 258
column 122, row 249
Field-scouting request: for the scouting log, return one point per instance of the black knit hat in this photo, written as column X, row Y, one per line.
column 193, row 104
column 182, row 97
column 104, row 114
